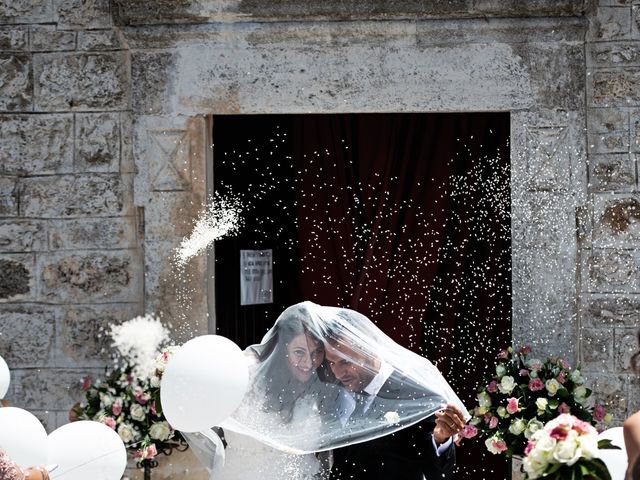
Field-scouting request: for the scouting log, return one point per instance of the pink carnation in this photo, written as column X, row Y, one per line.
column 469, row 431
column 492, row 387
column 535, row 384
column 512, row 405
column 581, row 427
column 598, row 413
column 109, row 422
column 493, row 423
column 564, row 408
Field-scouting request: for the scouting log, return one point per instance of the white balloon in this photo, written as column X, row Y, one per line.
column 85, row 450
column 5, row 378
column 23, row 437
column 615, row 460
column 203, row 383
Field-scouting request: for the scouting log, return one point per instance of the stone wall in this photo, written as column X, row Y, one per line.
column 104, row 147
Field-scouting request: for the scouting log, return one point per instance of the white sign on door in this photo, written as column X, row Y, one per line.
column 256, row 277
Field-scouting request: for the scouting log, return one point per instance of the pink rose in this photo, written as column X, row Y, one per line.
column 581, row 427
column 562, row 377
column 524, row 372
column 526, row 350
column 598, row 413
column 86, row 383
column 499, row 445
column 469, row 431
column 512, row 405
column 559, row 433
column 146, row 453
column 564, row 364
column 141, row 397
column 493, row 423
column 116, row 408
column 503, row 354
column 563, row 408
column 109, row 422
column 487, row 418
column 492, row 387
column 535, row 384
column 529, row 447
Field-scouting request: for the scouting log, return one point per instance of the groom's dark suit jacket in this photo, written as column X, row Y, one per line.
column 407, row 454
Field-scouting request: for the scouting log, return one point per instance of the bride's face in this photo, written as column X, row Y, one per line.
column 304, row 355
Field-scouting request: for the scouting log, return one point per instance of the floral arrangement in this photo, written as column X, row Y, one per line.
column 523, row 395
column 128, row 399
column 566, row 448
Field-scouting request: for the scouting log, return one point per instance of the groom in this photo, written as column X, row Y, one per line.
column 425, row 448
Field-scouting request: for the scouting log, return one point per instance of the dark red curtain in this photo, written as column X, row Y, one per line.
column 405, row 218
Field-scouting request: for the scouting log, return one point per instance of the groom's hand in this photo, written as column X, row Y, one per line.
column 449, row 421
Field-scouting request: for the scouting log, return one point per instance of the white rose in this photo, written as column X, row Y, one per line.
column 160, row 431
column 502, row 412
column 484, row 400
column 137, row 412
column 544, row 443
column 392, row 418
column 106, row 400
column 576, row 377
column 567, row 451
column 501, row 370
column 542, row 404
column 507, row 384
column 580, row 394
column 589, row 445
column 532, row 427
column 518, row 426
column 126, row 432
column 535, row 465
column 155, row 382
column 552, row 386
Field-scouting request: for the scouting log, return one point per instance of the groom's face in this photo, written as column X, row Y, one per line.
column 351, row 366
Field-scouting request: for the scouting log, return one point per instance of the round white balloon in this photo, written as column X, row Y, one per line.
column 85, row 450
column 203, row 383
column 23, row 437
column 5, row 378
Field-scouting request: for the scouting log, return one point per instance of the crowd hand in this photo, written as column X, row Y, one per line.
column 449, row 421
column 36, row 473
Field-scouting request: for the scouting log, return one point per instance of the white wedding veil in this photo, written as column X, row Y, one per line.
column 326, row 377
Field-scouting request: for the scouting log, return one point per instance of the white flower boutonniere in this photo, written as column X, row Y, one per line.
column 392, row 418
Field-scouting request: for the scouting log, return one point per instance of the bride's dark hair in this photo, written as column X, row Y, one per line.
column 275, row 380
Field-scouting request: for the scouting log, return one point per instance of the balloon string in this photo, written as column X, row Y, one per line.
column 56, row 474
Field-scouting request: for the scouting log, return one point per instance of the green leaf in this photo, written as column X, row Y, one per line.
column 607, row 445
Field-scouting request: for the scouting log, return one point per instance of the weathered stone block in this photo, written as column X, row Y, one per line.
column 26, row 11
column 170, row 215
column 609, row 389
column 608, row 130
column 626, row 342
column 16, row 82
column 27, row 335
column 48, row 39
column 91, row 233
column 22, row 236
column 50, row 389
column 543, row 299
column 612, row 172
column 616, row 54
column 87, row 81
column 14, row 39
column 91, row 276
column 81, row 339
column 151, row 81
column 619, row 88
column 127, row 161
column 635, row 21
column 613, row 271
column 36, row 144
column 611, row 310
column 81, row 14
column 17, row 272
column 616, row 221
column 98, row 142
column 597, row 349
column 543, row 219
column 8, row 197
column 70, row 196
column 101, row 40
column 610, row 23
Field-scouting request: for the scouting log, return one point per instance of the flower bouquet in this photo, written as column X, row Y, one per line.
column 128, row 399
column 523, row 395
column 566, row 448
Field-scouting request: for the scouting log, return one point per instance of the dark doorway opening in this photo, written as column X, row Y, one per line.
column 403, row 217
